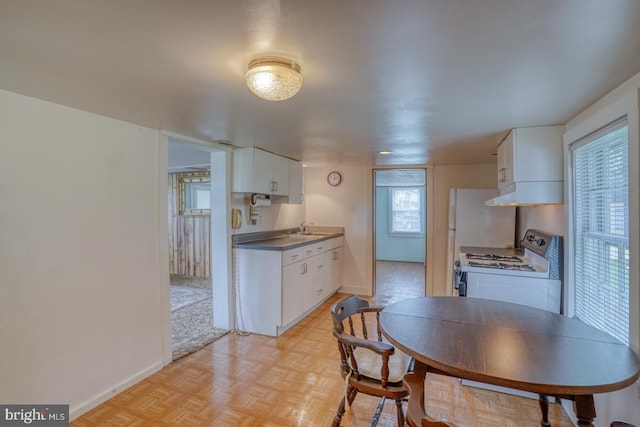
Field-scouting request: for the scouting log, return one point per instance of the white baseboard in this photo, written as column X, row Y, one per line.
column 354, row 290
column 75, row 412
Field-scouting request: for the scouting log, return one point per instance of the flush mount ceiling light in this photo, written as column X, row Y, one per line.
column 274, row 78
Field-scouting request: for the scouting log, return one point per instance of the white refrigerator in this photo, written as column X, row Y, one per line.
column 471, row 223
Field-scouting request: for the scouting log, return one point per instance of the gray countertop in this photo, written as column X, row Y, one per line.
column 281, row 240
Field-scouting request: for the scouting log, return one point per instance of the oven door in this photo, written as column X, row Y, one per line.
column 531, row 291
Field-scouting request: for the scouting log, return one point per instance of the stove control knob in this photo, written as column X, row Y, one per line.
column 539, row 241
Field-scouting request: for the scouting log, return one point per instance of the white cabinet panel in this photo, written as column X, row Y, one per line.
column 259, row 171
column 336, row 265
column 296, row 290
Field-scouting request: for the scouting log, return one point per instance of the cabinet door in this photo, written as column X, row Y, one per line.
column 321, row 282
column 336, row 268
column 505, row 161
column 280, row 175
column 263, row 165
column 296, row 285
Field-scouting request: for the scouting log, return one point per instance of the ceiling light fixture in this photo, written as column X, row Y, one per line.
column 274, row 78
column 384, row 152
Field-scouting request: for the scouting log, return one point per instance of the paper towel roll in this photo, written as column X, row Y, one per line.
column 257, row 200
column 262, row 202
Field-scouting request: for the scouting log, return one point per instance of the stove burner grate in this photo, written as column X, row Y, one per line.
column 502, row 266
column 491, row 257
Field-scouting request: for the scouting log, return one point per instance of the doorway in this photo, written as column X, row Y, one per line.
column 399, row 219
column 191, row 258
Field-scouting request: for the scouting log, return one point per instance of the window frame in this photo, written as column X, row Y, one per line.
column 420, row 190
column 607, row 111
column 603, row 238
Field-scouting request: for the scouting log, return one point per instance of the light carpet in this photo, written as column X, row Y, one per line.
column 182, row 296
column 192, row 319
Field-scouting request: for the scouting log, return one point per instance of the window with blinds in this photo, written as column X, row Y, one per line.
column 601, row 221
column 406, row 210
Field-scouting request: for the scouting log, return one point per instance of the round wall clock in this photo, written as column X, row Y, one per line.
column 334, row 178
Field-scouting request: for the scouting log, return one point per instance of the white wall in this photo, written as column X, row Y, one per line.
column 278, row 216
column 348, row 205
column 80, row 293
column 444, row 178
column 550, row 218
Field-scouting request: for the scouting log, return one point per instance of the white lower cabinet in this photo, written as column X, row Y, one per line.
column 276, row 289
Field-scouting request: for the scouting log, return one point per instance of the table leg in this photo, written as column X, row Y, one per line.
column 420, row 369
column 543, row 400
column 585, row 410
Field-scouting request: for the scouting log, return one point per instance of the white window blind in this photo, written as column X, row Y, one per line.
column 601, row 221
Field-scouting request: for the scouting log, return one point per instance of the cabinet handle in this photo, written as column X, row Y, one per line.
column 335, row 255
column 320, row 291
column 320, row 267
column 275, row 185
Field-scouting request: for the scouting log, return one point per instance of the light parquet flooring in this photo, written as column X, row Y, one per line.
column 293, row 380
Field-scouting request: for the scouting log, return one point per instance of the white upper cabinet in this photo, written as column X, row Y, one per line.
column 530, row 166
column 259, row 171
column 531, row 154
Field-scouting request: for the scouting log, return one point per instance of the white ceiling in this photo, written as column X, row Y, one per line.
column 436, row 81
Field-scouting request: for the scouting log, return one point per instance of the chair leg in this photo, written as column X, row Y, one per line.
column 339, row 413
column 351, row 395
column 400, row 413
column 376, row 415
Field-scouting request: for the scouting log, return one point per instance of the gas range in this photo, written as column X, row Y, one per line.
column 532, row 276
column 529, row 264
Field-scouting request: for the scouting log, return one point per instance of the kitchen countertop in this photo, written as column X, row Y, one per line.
column 281, row 240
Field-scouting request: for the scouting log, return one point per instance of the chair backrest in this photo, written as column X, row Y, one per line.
column 355, row 307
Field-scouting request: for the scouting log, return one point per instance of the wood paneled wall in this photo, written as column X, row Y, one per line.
column 189, row 237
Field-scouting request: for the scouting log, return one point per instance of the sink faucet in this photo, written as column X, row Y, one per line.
column 303, row 226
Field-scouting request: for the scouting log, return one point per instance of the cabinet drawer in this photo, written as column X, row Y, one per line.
column 336, row 242
column 298, row 254
column 293, row 255
column 321, row 247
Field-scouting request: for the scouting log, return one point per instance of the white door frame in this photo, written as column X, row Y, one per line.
column 220, row 229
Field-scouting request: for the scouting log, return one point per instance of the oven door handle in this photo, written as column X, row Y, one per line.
column 460, row 282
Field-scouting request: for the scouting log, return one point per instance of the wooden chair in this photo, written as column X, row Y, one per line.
column 416, row 414
column 369, row 366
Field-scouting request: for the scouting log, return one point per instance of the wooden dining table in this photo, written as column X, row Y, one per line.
column 512, row 345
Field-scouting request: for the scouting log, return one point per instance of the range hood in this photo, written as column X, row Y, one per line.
column 529, row 193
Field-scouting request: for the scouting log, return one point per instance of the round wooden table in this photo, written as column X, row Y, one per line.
column 513, row 346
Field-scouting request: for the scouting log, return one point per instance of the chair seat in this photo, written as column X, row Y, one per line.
column 370, row 364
